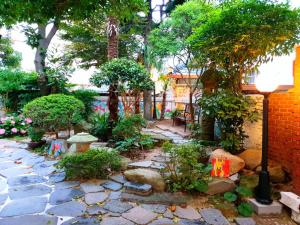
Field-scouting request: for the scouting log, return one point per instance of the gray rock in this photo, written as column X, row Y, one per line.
column 159, row 166
column 119, row 179
column 220, row 185
column 30, row 220
column 168, row 214
column 64, row 195
column 187, row 213
column 71, row 209
column 92, row 186
column 96, row 210
column 3, row 198
column 15, row 171
column 45, row 171
column 25, row 206
column 155, row 208
column 33, row 160
column 192, row 222
column 245, row 221
column 82, row 221
column 139, row 215
column 28, row 191
column 115, row 221
column 66, row 184
column 8, row 164
column 138, row 188
column 93, row 198
column 162, row 221
column 3, row 184
column 25, row 180
column 45, row 164
column 213, row 217
column 57, row 177
column 114, row 195
column 141, row 164
column 114, row 186
column 116, row 206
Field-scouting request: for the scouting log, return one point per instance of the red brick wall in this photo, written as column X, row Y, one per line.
column 284, row 127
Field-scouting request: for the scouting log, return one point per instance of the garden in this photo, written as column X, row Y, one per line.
column 65, row 160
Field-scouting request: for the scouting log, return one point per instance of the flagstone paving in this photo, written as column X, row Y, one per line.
column 33, row 192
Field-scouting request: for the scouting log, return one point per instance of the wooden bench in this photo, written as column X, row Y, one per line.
column 185, row 116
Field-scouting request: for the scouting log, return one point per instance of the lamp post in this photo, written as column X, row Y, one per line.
column 265, row 85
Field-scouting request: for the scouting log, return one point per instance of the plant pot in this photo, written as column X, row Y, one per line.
column 36, row 144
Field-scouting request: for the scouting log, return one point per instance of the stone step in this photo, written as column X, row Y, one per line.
column 138, row 188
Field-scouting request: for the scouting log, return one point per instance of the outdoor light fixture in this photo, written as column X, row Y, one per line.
column 265, row 85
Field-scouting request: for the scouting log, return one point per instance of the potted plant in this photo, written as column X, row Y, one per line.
column 174, row 116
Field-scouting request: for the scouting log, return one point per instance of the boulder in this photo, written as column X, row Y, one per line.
column 277, row 174
column 146, row 176
column 125, row 162
column 220, row 185
column 252, row 158
column 236, row 163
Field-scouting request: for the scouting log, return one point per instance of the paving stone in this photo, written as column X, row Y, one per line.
column 160, row 158
column 139, row 215
column 187, row 213
column 28, row 191
column 45, row 164
column 15, row 171
column 96, row 210
column 8, row 164
column 3, row 198
column 114, row 195
column 25, row 180
column 116, row 206
column 141, row 164
column 162, row 221
column 156, row 198
column 113, row 214
column 3, row 184
column 19, row 154
column 66, row 184
column 159, row 166
column 119, row 179
column 30, row 220
column 168, row 214
column 213, row 216
column 81, row 221
column 64, row 195
column 93, row 198
column 71, row 209
column 92, row 186
column 114, row 186
column 45, row 171
column 155, row 208
column 138, row 188
column 192, row 222
column 57, row 177
column 245, row 221
column 32, row 160
column 24, row 206
column 115, row 221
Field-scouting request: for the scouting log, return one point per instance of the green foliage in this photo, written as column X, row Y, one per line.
column 238, row 198
column 101, row 126
column 231, row 111
column 136, row 142
column 184, row 170
column 54, row 112
column 35, row 134
column 175, row 113
column 240, row 35
column 94, row 163
column 8, row 57
column 88, row 98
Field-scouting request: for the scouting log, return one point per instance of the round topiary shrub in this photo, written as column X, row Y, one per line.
column 54, row 112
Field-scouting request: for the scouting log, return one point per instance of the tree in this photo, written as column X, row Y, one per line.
column 127, row 77
column 170, row 41
column 243, row 34
column 8, row 57
column 165, row 85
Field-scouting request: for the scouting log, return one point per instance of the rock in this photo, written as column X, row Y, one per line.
column 57, row 177
column 213, row 217
column 220, row 185
column 96, row 210
column 277, row 174
column 28, row 191
column 3, row 198
column 245, row 221
column 115, row 195
column 70, row 209
column 116, row 206
column 81, row 221
column 30, row 220
column 138, row 188
column 98, row 145
column 64, row 195
column 115, row 221
column 93, row 198
column 3, row 184
column 157, row 208
column 187, row 213
column 92, row 186
column 125, row 162
column 25, row 180
column 139, row 215
column 162, row 221
column 15, row 171
column 252, row 158
column 192, row 222
column 236, row 163
column 111, row 185
column 246, row 172
column 146, row 176
column 141, row 164
column 66, row 184
column 168, row 214
column 235, row 177
column 118, row 178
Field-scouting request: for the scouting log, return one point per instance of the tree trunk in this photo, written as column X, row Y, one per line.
column 192, row 111
column 163, row 105
column 112, row 52
column 207, row 123
column 40, row 56
column 137, row 103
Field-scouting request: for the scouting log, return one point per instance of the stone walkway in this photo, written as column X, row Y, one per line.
column 33, row 192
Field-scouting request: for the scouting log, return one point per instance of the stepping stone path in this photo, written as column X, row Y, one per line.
column 175, row 138
column 34, row 192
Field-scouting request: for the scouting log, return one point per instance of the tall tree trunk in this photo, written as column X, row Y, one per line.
column 137, row 103
column 40, row 56
column 163, row 105
column 207, row 123
column 192, row 111
column 112, row 52
column 147, row 93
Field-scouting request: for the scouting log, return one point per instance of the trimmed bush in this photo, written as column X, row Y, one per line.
column 95, row 163
column 54, row 112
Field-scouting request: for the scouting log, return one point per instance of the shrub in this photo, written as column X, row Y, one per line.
column 137, row 142
column 95, row 163
column 184, row 171
column 101, row 126
column 88, row 98
column 35, row 134
column 14, row 125
column 54, row 112
column 231, row 111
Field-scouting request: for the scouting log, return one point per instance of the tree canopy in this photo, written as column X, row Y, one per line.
column 8, row 57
